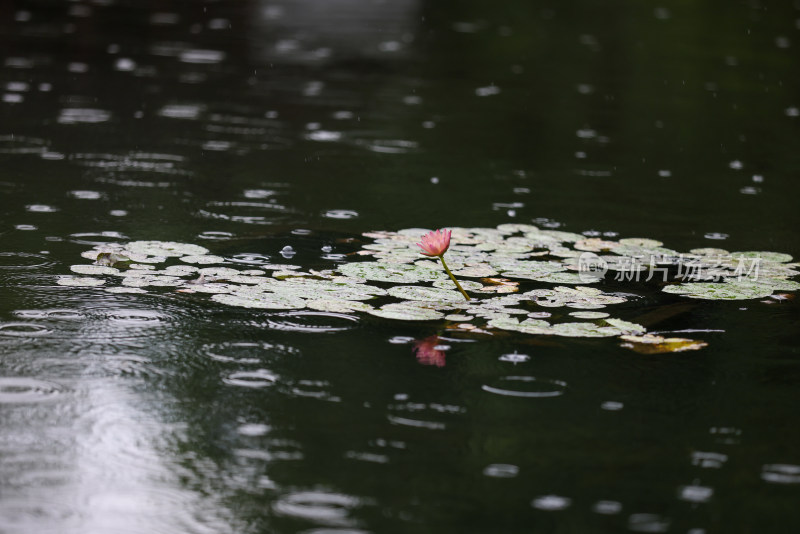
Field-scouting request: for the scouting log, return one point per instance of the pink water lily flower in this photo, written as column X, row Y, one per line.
column 435, row 243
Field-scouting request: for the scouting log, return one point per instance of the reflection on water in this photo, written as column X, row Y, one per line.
column 278, row 131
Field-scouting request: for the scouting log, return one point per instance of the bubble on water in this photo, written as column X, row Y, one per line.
column 40, row 208
column 83, row 115
column 489, row 90
column 182, row 111
column 199, row 56
column 781, row 473
column 253, row 429
column 695, row 493
column 514, row 358
column 718, row 236
column 551, row 502
column 607, row 507
column 648, row 523
column 340, row 214
column 501, row 471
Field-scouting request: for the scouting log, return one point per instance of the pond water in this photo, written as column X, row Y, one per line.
column 247, row 127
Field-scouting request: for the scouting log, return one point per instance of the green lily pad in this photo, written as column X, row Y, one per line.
column 718, row 291
column 404, row 312
column 776, row 257
column 167, row 249
column 584, row 330
column 468, row 285
column 269, row 301
column 338, row 306
column 579, row 297
column 93, row 269
column 399, row 273
column 528, row 326
column 588, row 315
column 203, row 259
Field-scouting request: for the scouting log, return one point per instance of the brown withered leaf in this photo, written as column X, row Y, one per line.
column 652, row 344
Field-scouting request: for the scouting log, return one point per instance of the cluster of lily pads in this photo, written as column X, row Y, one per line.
column 521, row 278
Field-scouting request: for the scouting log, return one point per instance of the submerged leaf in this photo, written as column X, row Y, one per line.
column 652, row 344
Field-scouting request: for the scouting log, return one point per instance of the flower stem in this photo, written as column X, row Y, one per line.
column 453, row 278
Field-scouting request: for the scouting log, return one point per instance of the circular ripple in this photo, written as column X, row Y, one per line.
column 312, row 322
column 245, row 351
column 340, row 214
column 325, row 508
column 20, row 389
column 16, row 144
column 23, row 330
column 245, row 212
column 98, row 238
column 54, row 313
column 527, row 386
column 250, row 259
column 259, row 378
column 23, row 260
column 781, row 473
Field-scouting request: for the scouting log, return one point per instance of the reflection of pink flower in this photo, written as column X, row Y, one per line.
column 427, row 353
column 435, row 243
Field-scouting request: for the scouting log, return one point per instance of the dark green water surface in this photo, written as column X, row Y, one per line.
column 246, row 126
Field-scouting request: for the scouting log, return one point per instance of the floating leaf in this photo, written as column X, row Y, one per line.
column 584, row 330
column 404, row 312
column 579, row 297
column 719, row 291
column 337, row 305
column 93, row 269
column 528, row 326
column 125, row 290
column 167, row 249
column 595, row 244
column 566, row 278
column 625, row 327
column 652, row 344
column 151, row 280
column 468, row 285
column 203, row 259
column 398, row 273
column 776, row 257
column 270, row 301
column 588, row 315
column 640, row 242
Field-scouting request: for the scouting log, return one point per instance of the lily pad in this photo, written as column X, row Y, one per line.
column 269, row 301
column 528, row 326
column 399, row 273
column 719, row 291
column 203, row 259
column 404, row 312
column 167, row 249
column 93, row 269
column 588, row 315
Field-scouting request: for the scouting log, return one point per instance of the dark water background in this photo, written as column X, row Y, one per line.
column 234, row 124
